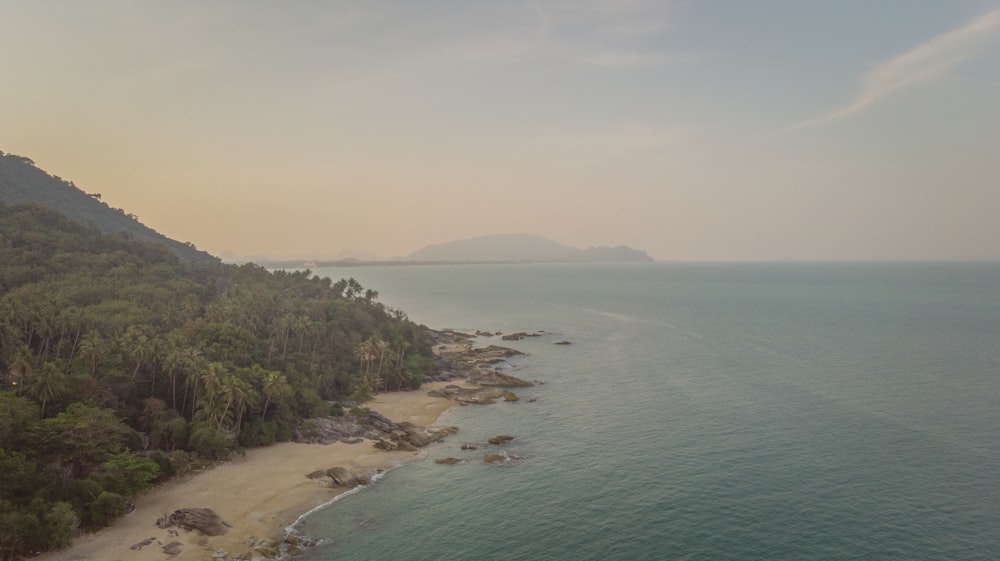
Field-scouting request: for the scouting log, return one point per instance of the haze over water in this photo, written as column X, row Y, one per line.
column 842, row 411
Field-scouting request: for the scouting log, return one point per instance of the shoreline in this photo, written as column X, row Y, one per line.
column 258, row 495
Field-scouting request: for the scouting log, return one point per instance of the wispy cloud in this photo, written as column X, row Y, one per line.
column 923, row 63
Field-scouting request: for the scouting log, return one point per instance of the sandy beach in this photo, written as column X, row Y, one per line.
column 258, row 495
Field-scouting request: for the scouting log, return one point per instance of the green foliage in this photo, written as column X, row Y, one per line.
column 105, row 509
column 258, row 432
column 19, row 531
column 210, row 442
column 83, row 492
column 180, row 462
column 85, row 435
column 61, row 521
column 18, row 477
column 129, row 475
column 360, row 412
column 169, row 434
column 109, row 345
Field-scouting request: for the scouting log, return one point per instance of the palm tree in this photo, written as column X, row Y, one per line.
column 178, row 359
column 213, row 405
column 47, row 384
column 135, row 346
column 239, row 395
column 192, row 381
column 382, row 349
column 275, row 384
column 301, row 325
column 22, row 367
column 92, row 349
column 365, row 353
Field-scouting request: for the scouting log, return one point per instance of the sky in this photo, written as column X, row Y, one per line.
column 696, row 130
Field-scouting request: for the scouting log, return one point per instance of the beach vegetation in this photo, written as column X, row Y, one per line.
column 121, row 364
column 105, row 509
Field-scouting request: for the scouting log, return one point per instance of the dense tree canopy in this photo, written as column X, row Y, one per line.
column 119, row 363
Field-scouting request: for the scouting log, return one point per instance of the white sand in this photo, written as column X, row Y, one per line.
column 258, row 495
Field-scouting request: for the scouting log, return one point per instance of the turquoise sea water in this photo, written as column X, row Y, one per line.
column 705, row 412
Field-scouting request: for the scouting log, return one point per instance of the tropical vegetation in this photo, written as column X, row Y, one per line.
column 121, row 364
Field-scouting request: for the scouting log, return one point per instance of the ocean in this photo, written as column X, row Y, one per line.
column 703, row 412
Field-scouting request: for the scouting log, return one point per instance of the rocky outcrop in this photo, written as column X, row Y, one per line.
column 202, row 520
column 477, row 396
column 501, row 439
column 520, row 335
column 448, row 461
column 497, row 379
column 373, row 426
column 342, row 477
column 458, row 358
column 494, row 458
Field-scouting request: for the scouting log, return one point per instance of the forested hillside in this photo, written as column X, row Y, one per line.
column 121, row 364
column 22, row 182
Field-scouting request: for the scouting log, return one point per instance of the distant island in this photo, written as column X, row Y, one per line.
column 494, row 249
column 524, row 248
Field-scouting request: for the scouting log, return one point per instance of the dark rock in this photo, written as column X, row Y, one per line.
column 520, row 335
column 317, row 474
column 172, row 548
column 510, row 396
column 341, row 477
column 501, row 439
column 439, row 433
column 563, row 343
column 498, row 379
column 448, row 461
column 203, row 520
column 469, row 447
column 142, row 544
column 494, row 459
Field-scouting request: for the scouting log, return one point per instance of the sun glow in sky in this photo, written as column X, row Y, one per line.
column 695, row 130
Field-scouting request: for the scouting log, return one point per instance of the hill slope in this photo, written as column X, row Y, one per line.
column 22, row 182
column 523, row 247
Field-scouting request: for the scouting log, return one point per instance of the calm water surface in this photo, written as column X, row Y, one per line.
column 705, row 412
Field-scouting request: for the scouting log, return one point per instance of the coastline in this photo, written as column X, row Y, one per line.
column 258, row 495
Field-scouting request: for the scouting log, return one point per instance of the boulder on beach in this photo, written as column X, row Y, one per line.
column 203, row 520
column 341, row 477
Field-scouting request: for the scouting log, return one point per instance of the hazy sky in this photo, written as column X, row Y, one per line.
column 695, row 129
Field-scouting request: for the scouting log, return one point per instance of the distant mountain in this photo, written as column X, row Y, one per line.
column 22, row 182
column 523, row 248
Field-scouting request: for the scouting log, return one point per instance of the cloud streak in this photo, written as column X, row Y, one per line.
column 921, row 64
